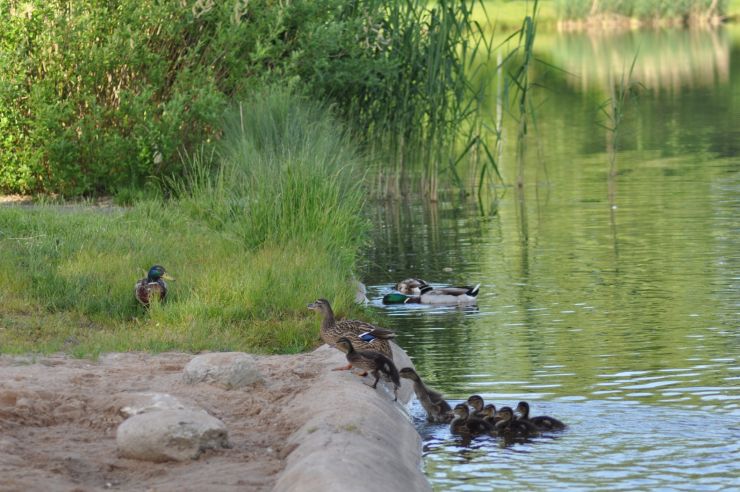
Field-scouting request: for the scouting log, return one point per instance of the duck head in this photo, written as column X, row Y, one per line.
column 461, row 410
column 523, row 409
column 320, row 305
column 476, row 401
column 344, row 345
column 156, row 272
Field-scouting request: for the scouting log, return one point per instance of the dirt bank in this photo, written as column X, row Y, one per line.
column 58, row 420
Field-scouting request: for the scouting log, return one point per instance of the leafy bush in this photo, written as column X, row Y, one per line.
column 97, row 97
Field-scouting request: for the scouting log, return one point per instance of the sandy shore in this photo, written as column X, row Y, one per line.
column 303, row 428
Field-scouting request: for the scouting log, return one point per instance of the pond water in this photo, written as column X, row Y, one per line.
column 612, row 304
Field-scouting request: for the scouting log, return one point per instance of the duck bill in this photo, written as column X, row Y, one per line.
column 167, row 277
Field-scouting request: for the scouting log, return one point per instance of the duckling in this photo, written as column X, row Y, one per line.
column 509, row 428
column 438, row 410
column 152, row 286
column 364, row 336
column 467, row 424
column 448, row 295
column 489, row 414
column 411, row 286
column 542, row 422
column 374, row 362
column 476, row 401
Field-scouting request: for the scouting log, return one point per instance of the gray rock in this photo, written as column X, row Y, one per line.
column 353, row 438
column 227, row 369
column 167, row 435
column 135, row 403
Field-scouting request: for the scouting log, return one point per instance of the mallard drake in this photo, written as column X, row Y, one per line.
column 364, row 336
column 448, row 295
column 152, row 286
column 375, row 362
column 439, row 295
column 411, row 286
column 509, row 428
column 467, row 424
column 438, row 410
column 542, row 422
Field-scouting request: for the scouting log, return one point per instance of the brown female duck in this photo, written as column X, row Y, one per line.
column 364, row 336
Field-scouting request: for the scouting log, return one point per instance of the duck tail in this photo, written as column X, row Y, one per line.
column 474, row 291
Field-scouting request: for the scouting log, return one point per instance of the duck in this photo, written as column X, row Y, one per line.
column 152, row 286
column 438, row 410
column 542, row 422
column 411, row 286
column 476, row 401
column 364, row 336
column 467, row 424
column 375, row 362
column 489, row 414
column 439, row 295
column 509, row 427
column 448, row 295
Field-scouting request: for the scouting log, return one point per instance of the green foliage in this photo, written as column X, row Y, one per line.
column 641, row 9
column 248, row 254
column 285, row 171
column 97, row 97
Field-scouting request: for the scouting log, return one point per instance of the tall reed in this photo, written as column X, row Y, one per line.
column 429, row 100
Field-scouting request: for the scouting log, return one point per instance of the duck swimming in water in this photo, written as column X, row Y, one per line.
column 467, row 424
column 542, row 422
column 509, row 427
column 411, row 286
column 438, row 296
column 438, row 410
column 476, row 401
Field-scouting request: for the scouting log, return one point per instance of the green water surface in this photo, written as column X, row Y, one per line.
column 611, row 303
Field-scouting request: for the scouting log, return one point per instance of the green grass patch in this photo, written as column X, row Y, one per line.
column 507, row 15
column 262, row 225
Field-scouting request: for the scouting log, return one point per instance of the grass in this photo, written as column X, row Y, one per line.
column 262, row 225
column 508, row 15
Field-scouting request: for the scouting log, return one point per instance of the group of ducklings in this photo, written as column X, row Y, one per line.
column 484, row 418
column 504, row 422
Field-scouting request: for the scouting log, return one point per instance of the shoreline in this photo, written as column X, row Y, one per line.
column 304, row 427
